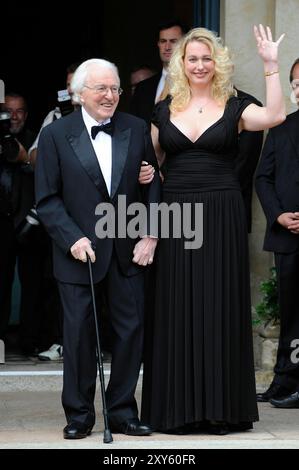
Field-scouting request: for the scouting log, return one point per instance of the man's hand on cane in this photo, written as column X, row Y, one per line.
column 81, row 248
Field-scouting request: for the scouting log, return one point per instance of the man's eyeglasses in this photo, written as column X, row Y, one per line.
column 295, row 84
column 103, row 89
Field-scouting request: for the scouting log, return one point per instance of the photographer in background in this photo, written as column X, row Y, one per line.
column 16, row 204
column 13, row 127
column 52, row 314
column 64, row 106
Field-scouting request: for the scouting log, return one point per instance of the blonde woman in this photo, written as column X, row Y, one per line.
column 198, row 369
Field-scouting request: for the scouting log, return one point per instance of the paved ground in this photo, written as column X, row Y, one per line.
column 31, row 417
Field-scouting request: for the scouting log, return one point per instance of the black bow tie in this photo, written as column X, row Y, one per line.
column 108, row 128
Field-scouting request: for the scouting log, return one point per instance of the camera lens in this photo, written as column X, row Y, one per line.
column 4, row 123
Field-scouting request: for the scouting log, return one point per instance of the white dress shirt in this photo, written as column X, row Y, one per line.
column 161, row 85
column 102, row 145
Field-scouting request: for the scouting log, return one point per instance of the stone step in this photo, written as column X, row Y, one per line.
column 35, row 377
column 48, row 377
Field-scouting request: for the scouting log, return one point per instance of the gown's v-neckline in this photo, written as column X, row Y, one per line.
column 204, row 132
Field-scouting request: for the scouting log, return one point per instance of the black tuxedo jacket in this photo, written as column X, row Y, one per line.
column 143, row 100
column 69, row 185
column 277, row 183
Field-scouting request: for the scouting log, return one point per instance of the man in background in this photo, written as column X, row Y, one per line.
column 16, row 208
column 277, row 186
column 148, row 91
column 138, row 74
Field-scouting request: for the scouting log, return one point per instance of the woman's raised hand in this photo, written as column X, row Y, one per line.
column 267, row 48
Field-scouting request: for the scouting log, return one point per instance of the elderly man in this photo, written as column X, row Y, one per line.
column 91, row 157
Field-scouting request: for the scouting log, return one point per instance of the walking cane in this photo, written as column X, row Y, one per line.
column 107, row 433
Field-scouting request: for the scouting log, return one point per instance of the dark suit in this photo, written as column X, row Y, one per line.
column 69, row 186
column 249, row 150
column 143, row 100
column 277, row 186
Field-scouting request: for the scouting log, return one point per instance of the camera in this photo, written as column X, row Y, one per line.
column 4, row 124
column 9, row 147
column 26, row 226
column 65, row 102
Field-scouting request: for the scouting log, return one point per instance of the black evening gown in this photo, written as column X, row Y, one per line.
column 198, row 360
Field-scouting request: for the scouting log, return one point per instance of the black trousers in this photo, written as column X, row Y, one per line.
column 125, row 303
column 286, row 368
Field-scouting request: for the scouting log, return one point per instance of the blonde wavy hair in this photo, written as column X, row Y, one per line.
column 177, row 83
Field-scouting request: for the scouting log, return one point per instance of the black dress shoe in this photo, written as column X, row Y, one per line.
column 76, row 431
column 219, row 428
column 131, row 427
column 240, row 427
column 274, row 391
column 180, row 430
column 292, row 401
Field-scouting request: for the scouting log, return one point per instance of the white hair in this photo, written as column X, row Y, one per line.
column 82, row 73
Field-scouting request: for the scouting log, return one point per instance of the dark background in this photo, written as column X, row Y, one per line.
column 39, row 41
